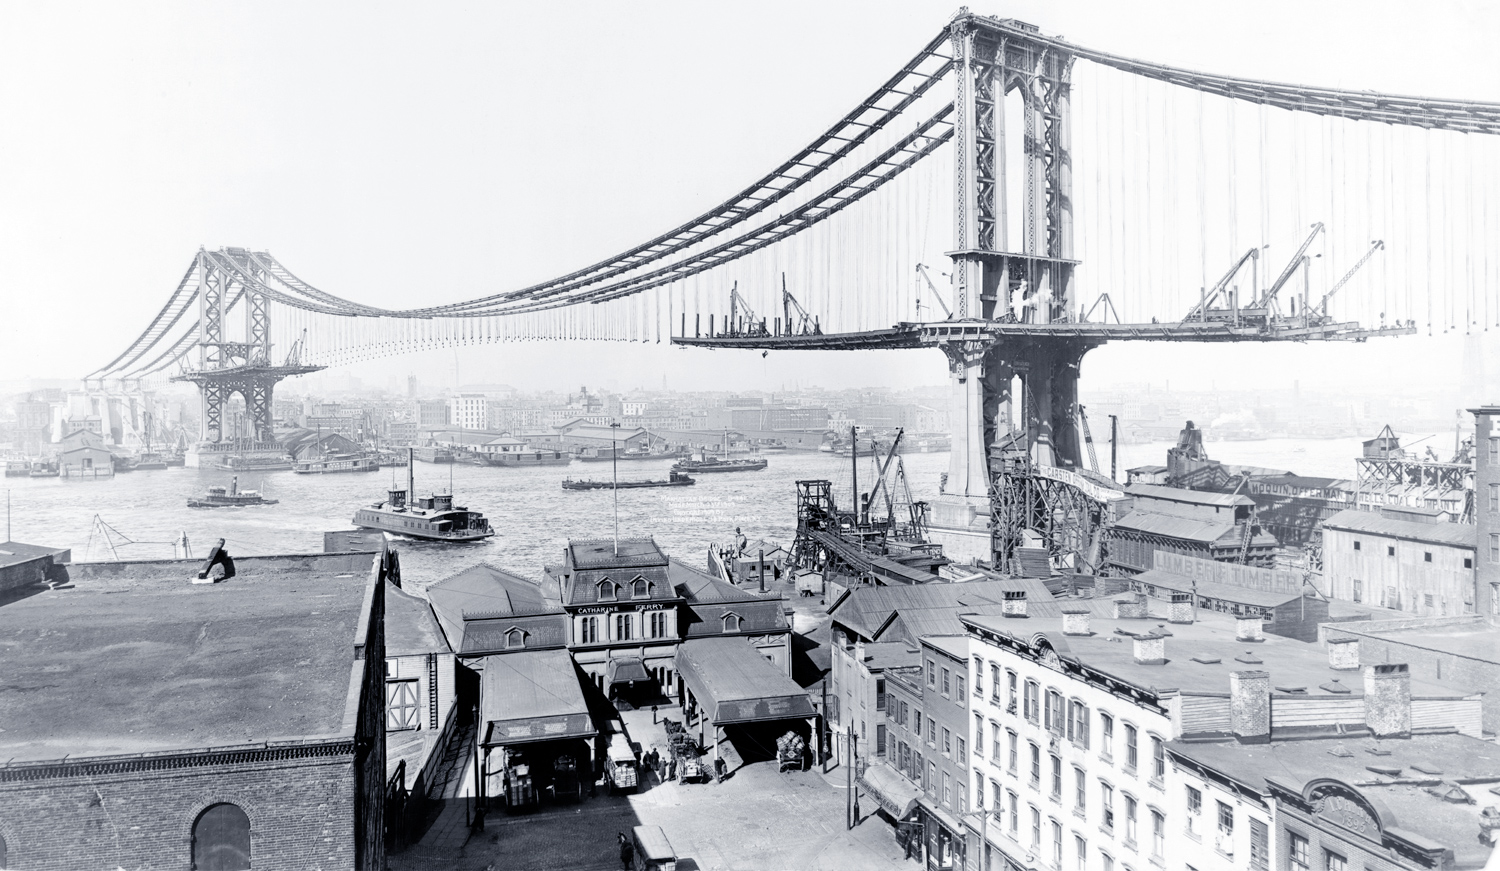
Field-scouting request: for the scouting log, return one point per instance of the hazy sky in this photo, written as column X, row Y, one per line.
column 411, row 154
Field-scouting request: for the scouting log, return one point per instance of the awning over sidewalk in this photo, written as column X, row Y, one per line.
column 533, row 696
column 735, row 684
column 897, row 795
column 945, row 819
column 626, row 669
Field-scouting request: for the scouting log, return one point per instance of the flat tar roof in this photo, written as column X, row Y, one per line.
column 1474, row 639
column 1451, row 534
column 14, row 552
column 136, row 659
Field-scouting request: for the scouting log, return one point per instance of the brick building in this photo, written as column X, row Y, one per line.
column 168, row 722
column 1487, row 512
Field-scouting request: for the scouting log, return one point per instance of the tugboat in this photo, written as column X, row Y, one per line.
column 714, row 464
column 674, row 479
column 431, row 518
column 219, row 497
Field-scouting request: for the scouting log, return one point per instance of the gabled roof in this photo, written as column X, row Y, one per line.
column 702, row 588
column 735, row 684
column 1192, row 497
column 1451, row 534
column 486, row 591
column 410, row 626
column 908, row 612
column 1172, row 526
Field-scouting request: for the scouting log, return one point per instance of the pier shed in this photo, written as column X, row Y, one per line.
column 740, row 698
column 536, row 732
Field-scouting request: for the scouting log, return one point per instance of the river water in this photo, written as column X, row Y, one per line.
column 532, row 515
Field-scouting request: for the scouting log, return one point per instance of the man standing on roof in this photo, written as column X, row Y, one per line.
column 740, row 542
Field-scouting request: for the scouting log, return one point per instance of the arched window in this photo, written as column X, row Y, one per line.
column 515, row 638
column 221, row 839
column 4, row 862
column 642, row 589
column 606, row 590
column 731, row 622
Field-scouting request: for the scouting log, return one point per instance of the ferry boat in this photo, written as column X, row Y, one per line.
column 431, row 518
column 337, row 463
column 714, row 464
column 220, row 497
column 529, row 458
column 674, row 479
column 236, row 463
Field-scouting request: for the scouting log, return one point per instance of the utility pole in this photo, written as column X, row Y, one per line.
column 614, row 465
column 1114, row 441
column 854, row 471
column 849, row 778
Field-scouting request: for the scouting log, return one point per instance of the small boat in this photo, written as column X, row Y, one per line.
column 150, row 462
column 431, row 518
column 41, row 469
column 221, row 497
column 674, row 479
column 714, row 464
column 337, row 463
column 17, row 468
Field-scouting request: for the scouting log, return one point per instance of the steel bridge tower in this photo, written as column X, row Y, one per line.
column 227, row 367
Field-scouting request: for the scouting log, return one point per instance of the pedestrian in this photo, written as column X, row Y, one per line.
column 627, row 853
column 720, row 767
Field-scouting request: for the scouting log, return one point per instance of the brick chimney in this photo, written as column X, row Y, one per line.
column 1180, row 608
column 1343, row 654
column 1250, row 706
column 1150, row 649
column 1014, row 604
column 1076, row 621
column 1130, row 606
column 1248, row 629
column 1388, row 700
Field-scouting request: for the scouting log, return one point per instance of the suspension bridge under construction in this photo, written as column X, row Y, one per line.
column 1072, row 197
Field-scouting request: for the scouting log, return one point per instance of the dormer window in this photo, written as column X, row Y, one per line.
column 606, row 590
column 515, row 639
column 731, row 622
column 640, row 589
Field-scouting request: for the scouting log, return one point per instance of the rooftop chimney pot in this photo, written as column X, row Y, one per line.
column 1076, row 621
column 1248, row 628
column 1014, row 603
column 1180, row 608
column 1250, row 706
column 1388, row 700
column 1150, row 649
column 1343, row 654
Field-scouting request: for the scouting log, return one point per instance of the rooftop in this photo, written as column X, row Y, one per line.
column 1172, row 526
column 603, row 553
column 15, row 552
column 908, row 612
column 1215, row 590
column 736, row 685
column 700, row 588
column 881, row 655
column 1450, row 534
column 1199, row 655
column 1405, row 780
column 1469, row 637
column 533, row 695
column 484, row 590
column 1193, row 497
column 133, row 658
column 410, row 626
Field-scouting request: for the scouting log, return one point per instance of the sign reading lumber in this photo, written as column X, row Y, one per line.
column 1247, row 577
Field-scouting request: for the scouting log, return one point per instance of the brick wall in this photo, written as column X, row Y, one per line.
column 302, row 814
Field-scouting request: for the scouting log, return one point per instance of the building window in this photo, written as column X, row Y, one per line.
column 623, row 623
column 947, row 678
column 1033, row 701
column 959, row 687
column 1129, row 819
column 640, row 589
column 1356, row 544
column 1036, row 766
column 1106, row 736
column 1057, row 841
column 1468, row 562
column 1057, row 778
column 1359, row 590
column 1494, row 451
column 1011, row 679
column 1296, row 851
column 1158, row 759
column 879, row 739
column 731, row 622
column 963, row 751
column 221, row 839
column 1081, row 848
column 880, row 703
column 1106, row 861
column 917, row 724
column 1036, row 829
column 1015, row 743
column 1495, row 498
column 995, row 682
column 1015, row 813
column 1334, row 862
column 995, row 739
column 1158, row 835
column 947, row 742
column 1224, row 841
column 1194, row 810
column 932, row 778
column 606, row 591
column 658, row 624
column 1055, row 714
column 978, row 735
column 1426, row 556
column 978, row 677
column 1107, row 803
column 961, row 795
column 588, row 630
column 932, row 731
column 1130, row 747
column 1078, row 724
column 1495, row 547
column 947, row 789
column 401, row 708
column 1080, row 797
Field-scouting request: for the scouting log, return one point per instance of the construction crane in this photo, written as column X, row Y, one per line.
column 1268, row 299
column 922, row 272
column 806, row 324
column 1322, row 307
column 1088, row 439
column 880, row 471
column 294, row 356
column 738, row 308
column 1210, row 296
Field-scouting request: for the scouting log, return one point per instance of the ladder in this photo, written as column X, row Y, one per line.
column 1088, row 440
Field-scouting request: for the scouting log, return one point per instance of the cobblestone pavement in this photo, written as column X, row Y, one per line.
column 755, row 820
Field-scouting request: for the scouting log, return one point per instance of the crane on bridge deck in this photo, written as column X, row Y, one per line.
column 739, row 308
column 922, row 273
column 805, row 324
column 1321, row 310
